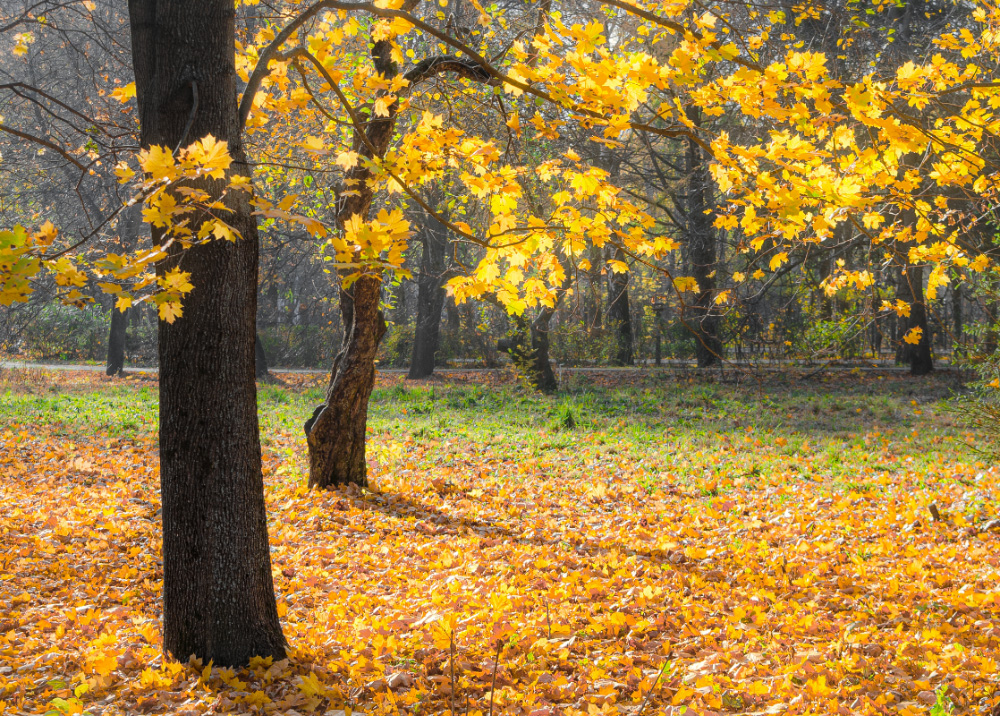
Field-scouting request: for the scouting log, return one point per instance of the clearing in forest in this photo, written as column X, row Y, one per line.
column 637, row 543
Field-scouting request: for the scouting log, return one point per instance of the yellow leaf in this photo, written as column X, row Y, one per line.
column 125, row 93
column 913, row 335
column 170, row 311
column 158, row 162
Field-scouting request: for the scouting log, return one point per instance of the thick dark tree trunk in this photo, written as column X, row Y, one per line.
column 620, row 314
column 430, row 298
column 336, row 430
column 541, row 375
column 218, row 595
column 911, row 290
column 260, row 358
column 701, row 253
column 116, row 341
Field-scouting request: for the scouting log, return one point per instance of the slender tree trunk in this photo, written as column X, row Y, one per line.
column 958, row 324
column 528, row 347
column 218, row 595
column 911, row 290
column 336, row 431
column 620, row 314
column 116, row 341
column 260, row 359
column 128, row 236
column 430, row 299
column 700, row 236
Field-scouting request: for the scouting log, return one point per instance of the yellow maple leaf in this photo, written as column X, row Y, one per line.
column 158, row 162
column 170, row 311
column 913, row 335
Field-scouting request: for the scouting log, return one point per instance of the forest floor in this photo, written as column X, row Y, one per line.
column 640, row 543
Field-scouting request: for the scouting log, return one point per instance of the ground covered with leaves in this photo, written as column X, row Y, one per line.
column 641, row 542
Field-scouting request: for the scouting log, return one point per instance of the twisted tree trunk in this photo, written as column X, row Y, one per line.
column 218, row 595
column 336, row 431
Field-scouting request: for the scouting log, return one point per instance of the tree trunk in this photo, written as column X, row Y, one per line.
column 485, row 349
column 541, row 375
column 218, row 594
column 336, row 431
column 620, row 314
column 129, row 227
column 260, row 359
column 911, row 290
column 958, row 324
column 528, row 347
column 116, row 341
column 430, row 298
column 700, row 240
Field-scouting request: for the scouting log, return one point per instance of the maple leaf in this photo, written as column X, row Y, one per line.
column 914, row 335
column 170, row 311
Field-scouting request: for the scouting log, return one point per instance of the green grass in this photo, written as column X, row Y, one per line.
column 846, row 431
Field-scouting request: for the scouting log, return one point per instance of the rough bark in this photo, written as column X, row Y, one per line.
column 701, row 254
column 911, row 290
column 620, row 314
column 336, row 431
column 430, row 298
column 218, row 595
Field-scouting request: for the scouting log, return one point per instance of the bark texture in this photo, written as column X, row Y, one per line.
column 430, row 298
column 701, row 254
column 336, row 431
column 218, row 593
